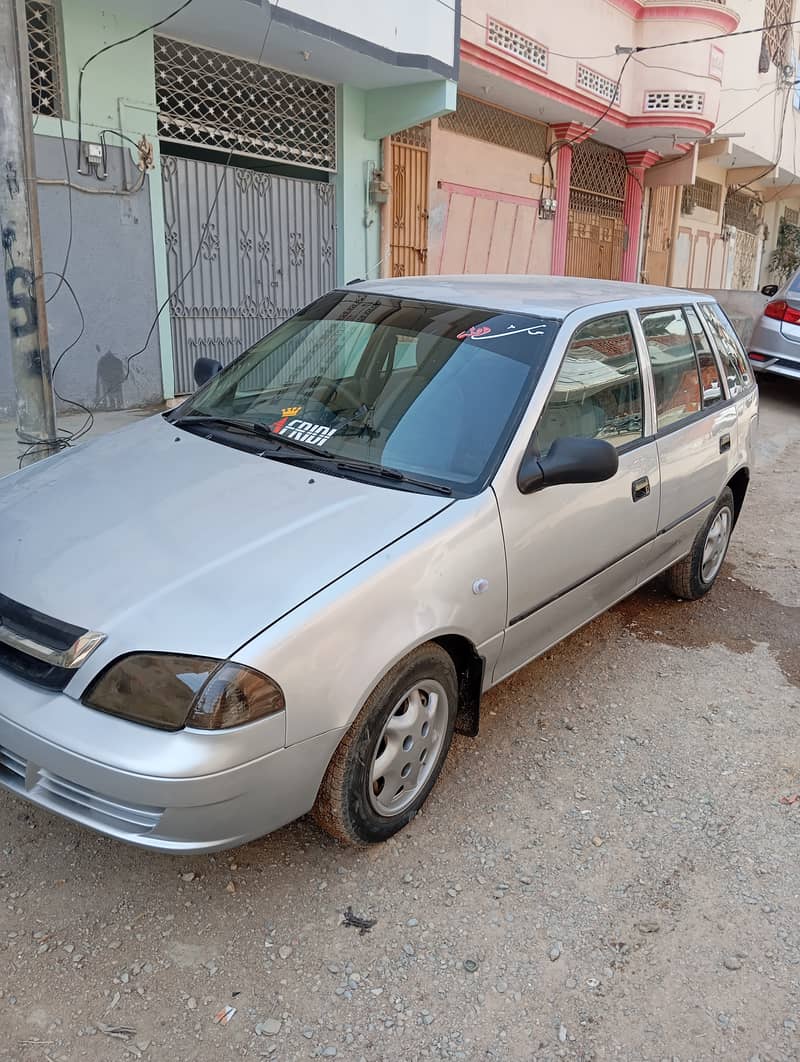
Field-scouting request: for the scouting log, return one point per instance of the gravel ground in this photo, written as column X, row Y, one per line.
column 607, row 872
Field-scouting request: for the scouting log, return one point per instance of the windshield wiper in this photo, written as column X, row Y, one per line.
column 252, row 428
column 265, row 432
column 390, row 473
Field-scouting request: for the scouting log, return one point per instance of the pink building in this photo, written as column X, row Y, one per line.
column 570, row 154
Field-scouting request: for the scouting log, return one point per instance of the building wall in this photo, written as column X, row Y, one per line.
column 415, row 26
column 483, row 214
column 111, row 272
column 358, row 235
column 699, row 258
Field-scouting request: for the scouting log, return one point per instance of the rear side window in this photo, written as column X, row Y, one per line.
column 598, row 392
column 734, row 360
column 709, row 369
column 675, row 370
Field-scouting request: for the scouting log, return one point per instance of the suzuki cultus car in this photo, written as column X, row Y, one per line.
column 286, row 593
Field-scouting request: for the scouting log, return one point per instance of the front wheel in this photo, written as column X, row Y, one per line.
column 390, row 758
column 694, row 575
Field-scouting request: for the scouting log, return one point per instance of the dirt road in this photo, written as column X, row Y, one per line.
column 607, row 872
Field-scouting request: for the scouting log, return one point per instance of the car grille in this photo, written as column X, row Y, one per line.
column 49, row 632
column 73, row 800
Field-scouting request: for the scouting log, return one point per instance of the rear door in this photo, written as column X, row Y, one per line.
column 695, row 425
column 574, row 549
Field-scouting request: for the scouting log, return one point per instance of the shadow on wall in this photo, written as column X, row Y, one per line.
column 111, row 269
column 110, row 381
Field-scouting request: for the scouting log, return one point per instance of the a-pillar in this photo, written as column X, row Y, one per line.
column 565, row 136
column 637, row 162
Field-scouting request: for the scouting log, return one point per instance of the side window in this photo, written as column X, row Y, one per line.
column 734, row 360
column 675, row 372
column 598, row 392
column 709, row 370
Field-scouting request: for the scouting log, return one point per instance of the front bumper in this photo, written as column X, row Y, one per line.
column 201, row 813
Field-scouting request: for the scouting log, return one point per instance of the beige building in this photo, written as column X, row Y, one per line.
column 572, row 152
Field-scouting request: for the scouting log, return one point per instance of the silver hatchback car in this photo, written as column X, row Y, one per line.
column 287, row 593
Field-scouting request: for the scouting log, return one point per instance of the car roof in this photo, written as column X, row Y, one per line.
column 543, row 295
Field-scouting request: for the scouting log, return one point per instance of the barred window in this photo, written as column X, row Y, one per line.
column 743, row 211
column 596, row 83
column 791, row 217
column 40, row 18
column 218, row 101
column 518, row 44
column 675, row 101
column 483, row 121
column 704, row 194
column 775, row 41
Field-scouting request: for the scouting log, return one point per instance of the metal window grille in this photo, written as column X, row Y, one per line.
column 518, row 44
column 483, row 121
column 599, row 170
column 776, row 40
column 415, row 136
column 675, row 101
column 218, row 101
column 596, row 83
column 742, row 211
column 704, row 194
column 40, row 18
column 791, row 217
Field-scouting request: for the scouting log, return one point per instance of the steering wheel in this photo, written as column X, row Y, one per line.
column 347, row 392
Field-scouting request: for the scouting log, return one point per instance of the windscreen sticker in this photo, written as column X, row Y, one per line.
column 477, row 333
column 291, row 411
column 305, row 431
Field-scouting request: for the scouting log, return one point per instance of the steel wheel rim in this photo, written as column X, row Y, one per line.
column 408, row 748
column 716, row 544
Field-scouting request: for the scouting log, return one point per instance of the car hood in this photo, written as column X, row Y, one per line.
column 165, row 540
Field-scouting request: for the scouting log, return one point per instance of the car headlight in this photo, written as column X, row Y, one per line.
column 171, row 692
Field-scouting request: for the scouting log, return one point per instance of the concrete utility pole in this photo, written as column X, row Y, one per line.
column 21, row 241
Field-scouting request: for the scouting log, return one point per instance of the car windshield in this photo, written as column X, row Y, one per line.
column 428, row 389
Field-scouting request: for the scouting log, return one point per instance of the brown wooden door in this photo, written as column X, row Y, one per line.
column 409, row 238
column 595, row 243
column 659, row 236
column 596, row 230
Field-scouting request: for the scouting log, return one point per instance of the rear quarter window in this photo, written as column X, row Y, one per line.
column 734, row 360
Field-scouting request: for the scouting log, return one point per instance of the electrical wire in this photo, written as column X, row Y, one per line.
column 107, row 48
column 642, row 47
column 36, row 446
column 204, row 228
column 769, row 169
column 713, row 37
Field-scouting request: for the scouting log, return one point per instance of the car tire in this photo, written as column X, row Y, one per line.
column 694, row 575
column 389, row 760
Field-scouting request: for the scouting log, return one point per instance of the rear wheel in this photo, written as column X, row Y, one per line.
column 695, row 574
column 389, row 760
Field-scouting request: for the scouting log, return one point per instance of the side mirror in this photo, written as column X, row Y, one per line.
column 204, row 369
column 569, row 460
column 769, row 290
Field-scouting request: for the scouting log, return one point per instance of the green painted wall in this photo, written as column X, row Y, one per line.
column 125, row 72
column 357, row 234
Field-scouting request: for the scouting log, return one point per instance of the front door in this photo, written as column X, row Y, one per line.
column 409, row 248
column 596, row 230
column 575, row 549
column 245, row 251
column 659, row 236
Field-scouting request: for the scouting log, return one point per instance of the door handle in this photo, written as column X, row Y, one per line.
column 724, row 443
column 640, row 488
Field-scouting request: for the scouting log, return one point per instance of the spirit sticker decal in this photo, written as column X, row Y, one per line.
column 478, row 333
column 306, row 432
